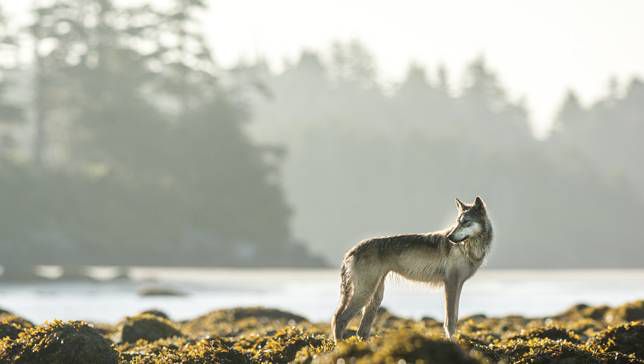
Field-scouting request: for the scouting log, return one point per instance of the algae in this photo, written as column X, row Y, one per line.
column 581, row 334
column 12, row 325
column 58, row 343
column 146, row 327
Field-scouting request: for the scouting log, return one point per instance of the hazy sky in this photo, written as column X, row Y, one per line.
column 539, row 48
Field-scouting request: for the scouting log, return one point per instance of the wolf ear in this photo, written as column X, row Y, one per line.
column 478, row 203
column 460, row 205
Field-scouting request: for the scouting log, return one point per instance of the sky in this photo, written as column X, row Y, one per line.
column 539, row 49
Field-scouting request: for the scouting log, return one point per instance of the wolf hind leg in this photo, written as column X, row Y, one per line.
column 337, row 330
column 370, row 311
column 352, row 302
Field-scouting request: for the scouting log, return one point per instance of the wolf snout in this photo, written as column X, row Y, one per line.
column 453, row 239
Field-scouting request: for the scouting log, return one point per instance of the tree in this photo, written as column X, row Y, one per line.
column 11, row 113
column 156, row 152
column 353, row 64
column 489, row 113
column 180, row 52
column 570, row 113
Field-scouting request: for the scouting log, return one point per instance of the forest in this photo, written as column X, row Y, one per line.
column 123, row 142
column 384, row 160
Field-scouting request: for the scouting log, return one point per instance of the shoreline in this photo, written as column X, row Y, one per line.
column 580, row 334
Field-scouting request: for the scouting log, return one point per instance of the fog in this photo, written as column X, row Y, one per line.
column 124, row 142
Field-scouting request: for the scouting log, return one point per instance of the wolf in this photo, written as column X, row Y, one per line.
column 443, row 258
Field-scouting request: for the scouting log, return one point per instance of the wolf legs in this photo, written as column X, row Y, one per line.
column 346, row 312
column 351, row 302
column 453, row 286
column 369, row 312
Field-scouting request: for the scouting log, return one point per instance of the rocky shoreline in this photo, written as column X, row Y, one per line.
column 581, row 334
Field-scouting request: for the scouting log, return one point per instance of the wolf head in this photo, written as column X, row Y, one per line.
column 471, row 221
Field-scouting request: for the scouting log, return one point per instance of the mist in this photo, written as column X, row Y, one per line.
column 124, row 142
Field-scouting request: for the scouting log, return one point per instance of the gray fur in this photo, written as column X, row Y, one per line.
column 448, row 258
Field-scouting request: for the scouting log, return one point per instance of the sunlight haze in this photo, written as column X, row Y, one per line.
column 539, row 49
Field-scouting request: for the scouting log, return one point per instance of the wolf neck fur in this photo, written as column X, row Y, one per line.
column 475, row 249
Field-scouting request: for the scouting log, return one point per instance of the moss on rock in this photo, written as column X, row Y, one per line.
column 235, row 321
column 58, row 342
column 146, row 327
column 632, row 311
column 283, row 346
column 11, row 325
column 626, row 338
column 182, row 350
column 252, row 335
column 549, row 332
column 399, row 346
column 157, row 313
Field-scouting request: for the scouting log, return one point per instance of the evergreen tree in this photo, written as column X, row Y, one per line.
column 11, row 113
column 157, row 154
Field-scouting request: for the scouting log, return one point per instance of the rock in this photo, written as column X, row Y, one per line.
column 549, row 332
column 400, row 346
column 58, row 342
column 161, row 292
column 263, row 335
column 627, row 338
column 5, row 312
column 147, row 327
column 283, row 345
column 229, row 322
column 546, row 351
column 182, row 350
column 156, row 313
column 632, row 311
column 11, row 325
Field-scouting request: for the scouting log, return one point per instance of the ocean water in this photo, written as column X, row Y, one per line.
column 313, row 293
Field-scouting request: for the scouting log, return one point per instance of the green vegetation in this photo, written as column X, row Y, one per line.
column 146, row 326
column 260, row 335
column 138, row 149
column 392, row 159
column 58, row 343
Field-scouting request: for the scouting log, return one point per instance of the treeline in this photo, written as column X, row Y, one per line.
column 122, row 143
column 364, row 159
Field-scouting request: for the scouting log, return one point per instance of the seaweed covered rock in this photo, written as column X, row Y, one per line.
column 11, row 330
column 413, row 347
column 283, row 346
column 260, row 335
column 581, row 311
column 627, row 338
column 399, row 346
column 584, row 327
column 11, row 325
column 146, row 327
column 234, row 321
column 5, row 312
column 182, row 350
column 157, row 313
column 58, row 342
column 350, row 350
column 521, row 351
column 632, row 311
column 549, row 332
column 490, row 329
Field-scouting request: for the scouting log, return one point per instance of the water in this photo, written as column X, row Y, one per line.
column 314, row 293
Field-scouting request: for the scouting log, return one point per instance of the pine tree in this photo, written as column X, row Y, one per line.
column 11, row 114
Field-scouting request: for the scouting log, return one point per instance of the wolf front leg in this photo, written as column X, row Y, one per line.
column 453, row 286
